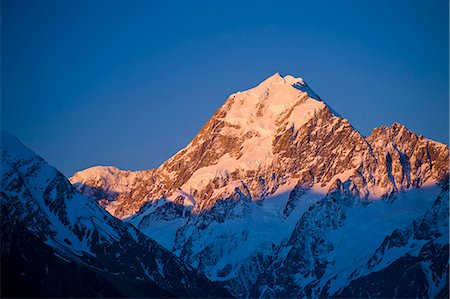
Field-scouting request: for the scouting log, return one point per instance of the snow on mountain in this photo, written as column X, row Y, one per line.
column 44, row 217
column 108, row 183
column 237, row 139
column 330, row 253
column 276, row 169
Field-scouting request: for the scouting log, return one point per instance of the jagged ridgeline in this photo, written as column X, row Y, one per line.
column 279, row 196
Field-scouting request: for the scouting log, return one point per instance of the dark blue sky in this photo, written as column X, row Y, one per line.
column 129, row 83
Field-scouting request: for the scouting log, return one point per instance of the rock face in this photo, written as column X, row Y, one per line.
column 327, row 254
column 60, row 243
column 276, row 176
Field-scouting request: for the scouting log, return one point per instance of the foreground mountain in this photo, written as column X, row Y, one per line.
column 59, row 243
column 329, row 253
column 278, row 195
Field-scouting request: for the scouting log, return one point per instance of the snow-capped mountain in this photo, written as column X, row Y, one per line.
column 59, row 243
column 276, row 193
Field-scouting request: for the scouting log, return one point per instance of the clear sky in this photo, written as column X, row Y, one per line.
column 129, row 83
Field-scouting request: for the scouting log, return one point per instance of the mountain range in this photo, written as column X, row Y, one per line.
column 277, row 196
column 58, row 243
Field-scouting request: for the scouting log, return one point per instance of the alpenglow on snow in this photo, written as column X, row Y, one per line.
column 277, row 192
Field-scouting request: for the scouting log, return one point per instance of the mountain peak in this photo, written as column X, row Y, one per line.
column 13, row 146
column 294, row 80
column 278, row 79
column 275, row 165
column 398, row 126
column 269, row 131
column 276, row 102
column 275, row 78
column 396, row 130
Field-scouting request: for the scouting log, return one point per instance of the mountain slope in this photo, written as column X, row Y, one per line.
column 74, row 240
column 31, row 268
column 273, row 160
column 330, row 253
column 419, row 251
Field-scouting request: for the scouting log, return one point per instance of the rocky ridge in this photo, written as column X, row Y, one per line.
column 273, row 168
column 267, row 137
